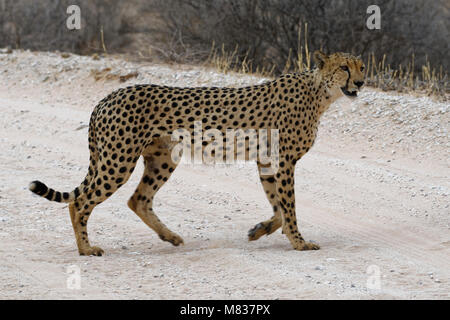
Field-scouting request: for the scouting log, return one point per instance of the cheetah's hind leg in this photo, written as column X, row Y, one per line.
column 100, row 188
column 158, row 168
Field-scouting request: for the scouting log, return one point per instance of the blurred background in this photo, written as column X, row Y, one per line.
column 261, row 36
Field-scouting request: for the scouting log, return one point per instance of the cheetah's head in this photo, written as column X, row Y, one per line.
column 341, row 71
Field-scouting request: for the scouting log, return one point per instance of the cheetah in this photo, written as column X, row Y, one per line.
column 139, row 120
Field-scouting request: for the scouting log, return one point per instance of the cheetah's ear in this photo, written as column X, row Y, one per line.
column 320, row 58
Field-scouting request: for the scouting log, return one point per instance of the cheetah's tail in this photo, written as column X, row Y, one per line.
column 42, row 190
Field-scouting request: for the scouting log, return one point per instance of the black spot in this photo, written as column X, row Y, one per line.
column 49, row 196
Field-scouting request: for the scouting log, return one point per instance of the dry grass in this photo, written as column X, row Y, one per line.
column 429, row 81
column 405, row 78
column 226, row 61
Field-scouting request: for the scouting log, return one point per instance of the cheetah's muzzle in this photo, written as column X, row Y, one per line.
column 352, row 94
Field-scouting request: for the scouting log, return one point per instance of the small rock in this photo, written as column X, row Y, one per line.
column 6, row 50
column 318, row 268
column 82, row 127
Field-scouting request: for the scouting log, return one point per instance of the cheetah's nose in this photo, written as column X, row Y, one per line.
column 359, row 84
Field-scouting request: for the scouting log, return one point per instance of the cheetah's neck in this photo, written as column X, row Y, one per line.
column 326, row 94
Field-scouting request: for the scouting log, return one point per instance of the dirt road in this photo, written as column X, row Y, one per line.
column 374, row 196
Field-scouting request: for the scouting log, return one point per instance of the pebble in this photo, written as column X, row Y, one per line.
column 331, row 259
column 319, row 268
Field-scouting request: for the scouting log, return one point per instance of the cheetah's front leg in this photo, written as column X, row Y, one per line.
column 269, row 226
column 284, row 180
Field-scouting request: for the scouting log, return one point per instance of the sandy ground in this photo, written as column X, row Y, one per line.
column 373, row 192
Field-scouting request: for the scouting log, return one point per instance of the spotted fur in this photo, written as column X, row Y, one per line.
column 138, row 121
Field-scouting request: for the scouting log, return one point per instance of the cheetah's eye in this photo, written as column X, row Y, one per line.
column 345, row 68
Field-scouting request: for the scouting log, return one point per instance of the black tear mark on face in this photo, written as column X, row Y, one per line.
column 345, row 88
column 348, row 79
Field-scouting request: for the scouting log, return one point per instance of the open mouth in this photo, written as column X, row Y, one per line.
column 348, row 93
